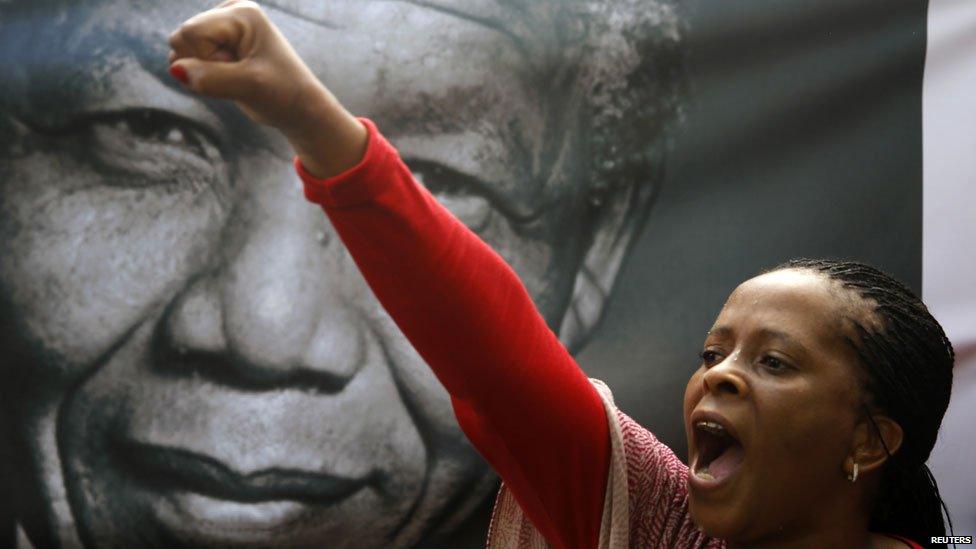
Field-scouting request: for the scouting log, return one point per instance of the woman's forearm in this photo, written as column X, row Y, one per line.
column 325, row 136
column 518, row 393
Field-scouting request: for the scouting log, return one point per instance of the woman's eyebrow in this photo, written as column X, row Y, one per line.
column 720, row 331
column 777, row 335
column 765, row 333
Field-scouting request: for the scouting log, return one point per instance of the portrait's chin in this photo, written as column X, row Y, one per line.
column 187, row 519
column 164, row 460
column 197, row 519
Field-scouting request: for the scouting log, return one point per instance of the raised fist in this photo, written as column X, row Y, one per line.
column 235, row 52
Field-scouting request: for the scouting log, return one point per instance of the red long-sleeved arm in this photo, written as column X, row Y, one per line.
column 517, row 393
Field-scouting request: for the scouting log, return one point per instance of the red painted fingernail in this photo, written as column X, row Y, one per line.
column 179, row 73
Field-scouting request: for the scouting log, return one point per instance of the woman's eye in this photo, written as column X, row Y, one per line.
column 773, row 363
column 709, row 358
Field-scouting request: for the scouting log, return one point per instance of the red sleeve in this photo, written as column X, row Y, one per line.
column 517, row 393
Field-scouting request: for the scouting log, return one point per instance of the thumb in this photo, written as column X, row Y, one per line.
column 221, row 79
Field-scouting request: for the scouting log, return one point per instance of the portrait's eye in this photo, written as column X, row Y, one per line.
column 456, row 191
column 148, row 146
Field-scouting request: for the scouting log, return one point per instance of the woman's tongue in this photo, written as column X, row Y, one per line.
column 725, row 464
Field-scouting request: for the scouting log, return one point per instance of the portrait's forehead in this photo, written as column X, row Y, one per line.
column 485, row 34
column 66, row 58
column 514, row 19
column 509, row 17
column 486, row 87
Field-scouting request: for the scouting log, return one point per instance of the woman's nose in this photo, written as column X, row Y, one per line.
column 273, row 312
column 726, row 377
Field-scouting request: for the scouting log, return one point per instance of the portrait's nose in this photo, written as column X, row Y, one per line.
column 271, row 311
column 726, row 377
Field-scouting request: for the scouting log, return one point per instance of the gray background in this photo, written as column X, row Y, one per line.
column 802, row 137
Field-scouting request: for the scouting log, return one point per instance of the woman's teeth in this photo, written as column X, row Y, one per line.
column 711, row 426
column 719, row 454
column 703, row 473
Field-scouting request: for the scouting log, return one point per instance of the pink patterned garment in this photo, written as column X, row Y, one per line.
column 646, row 501
column 657, row 487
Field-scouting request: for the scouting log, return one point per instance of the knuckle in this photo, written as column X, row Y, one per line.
column 178, row 42
column 248, row 5
column 191, row 29
column 248, row 9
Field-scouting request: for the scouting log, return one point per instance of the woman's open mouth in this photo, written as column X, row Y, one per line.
column 719, row 453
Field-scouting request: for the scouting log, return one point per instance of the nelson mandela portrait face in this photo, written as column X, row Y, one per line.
column 190, row 358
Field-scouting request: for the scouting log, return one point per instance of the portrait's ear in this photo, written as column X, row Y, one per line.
column 620, row 215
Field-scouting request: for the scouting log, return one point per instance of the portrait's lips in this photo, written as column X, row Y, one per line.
column 717, row 451
column 197, row 497
column 175, row 469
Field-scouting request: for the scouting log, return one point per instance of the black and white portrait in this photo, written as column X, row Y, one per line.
column 190, row 357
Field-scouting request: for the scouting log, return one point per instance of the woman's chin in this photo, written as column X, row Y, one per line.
column 715, row 521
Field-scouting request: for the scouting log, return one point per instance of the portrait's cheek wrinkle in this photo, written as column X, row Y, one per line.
column 136, row 407
column 538, row 239
column 89, row 251
column 147, row 147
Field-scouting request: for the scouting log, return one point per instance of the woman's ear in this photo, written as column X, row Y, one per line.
column 873, row 441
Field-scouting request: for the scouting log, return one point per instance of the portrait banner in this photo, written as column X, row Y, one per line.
column 189, row 356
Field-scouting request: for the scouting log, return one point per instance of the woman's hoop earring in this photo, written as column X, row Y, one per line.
column 853, row 475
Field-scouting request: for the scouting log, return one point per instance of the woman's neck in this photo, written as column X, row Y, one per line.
column 843, row 522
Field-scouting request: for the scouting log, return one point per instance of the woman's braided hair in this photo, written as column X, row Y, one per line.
column 908, row 365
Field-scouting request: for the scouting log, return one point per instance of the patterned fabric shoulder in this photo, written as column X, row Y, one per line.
column 645, row 505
